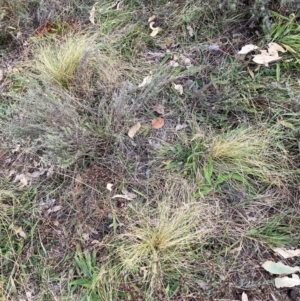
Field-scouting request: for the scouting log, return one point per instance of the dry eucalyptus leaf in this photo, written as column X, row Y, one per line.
column 179, row 88
column 146, row 81
column 54, row 209
column 174, row 64
column 278, row 268
column 180, row 126
column 244, row 297
column 287, row 281
column 22, row 179
column 122, row 196
column 247, row 48
column 190, row 30
column 152, row 18
column 158, row 123
column 274, row 48
column 92, row 14
column 159, row 108
column 155, row 30
column 264, row 59
column 109, row 186
column 133, row 130
column 287, row 253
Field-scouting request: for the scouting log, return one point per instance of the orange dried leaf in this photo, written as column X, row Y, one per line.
column 158, row 123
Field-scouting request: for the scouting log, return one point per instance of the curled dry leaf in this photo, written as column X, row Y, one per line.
column 287, row 281
column 244, row 297
column 179, row 88
column 126, row 195
column 109, row 186
column 158, row 123
column 287, row 253
column 274, row 48
column 190, row 30
column 247, row 48
column 174, row 64
column 151, row 19
column 54, row 209
column 133, row 130
column 278, row 268
column 1, row 75
column 155, row 30
column 92, row 14
column 146, row 81
column 180, row 127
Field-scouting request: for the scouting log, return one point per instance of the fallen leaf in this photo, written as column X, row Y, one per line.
column 22, row 179
column 122, row 196
column 179, row 88
column 28, row 296
column 278, row 268
column 109, row 186
column 20, row 232
column 180, row 127
column 95, row 241
column 274, row 48
column 187, row 62
column 174, row 64
column 190, row 30
column 146, row 81
column 158, row 123
column 92, row 14
column 155, row 30
column 129, row 196
column 133, row 130
column 159, row 108
column 54, row 209
column 287, row 253
column 287, row 281
column 1, row 75
column 264, row 59
column 244, row 297
column 247, row 48
column 152, row 18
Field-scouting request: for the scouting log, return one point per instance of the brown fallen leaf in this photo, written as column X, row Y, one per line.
column 133, row 130
column 158, row 123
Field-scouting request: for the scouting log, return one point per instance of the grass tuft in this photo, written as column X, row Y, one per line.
column 58, row 62
column 158, row 244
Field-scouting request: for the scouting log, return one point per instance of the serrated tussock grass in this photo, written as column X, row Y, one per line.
column 58, row 61
column 159, row 244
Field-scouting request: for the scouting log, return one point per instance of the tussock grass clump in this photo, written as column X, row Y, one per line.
column 58, row 62
column 158, row 244
column 250, row 151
